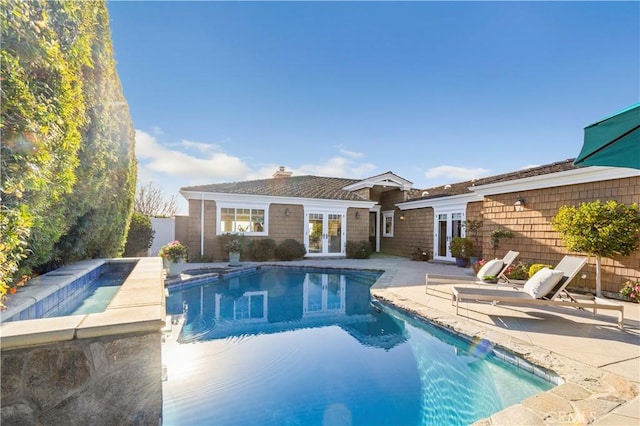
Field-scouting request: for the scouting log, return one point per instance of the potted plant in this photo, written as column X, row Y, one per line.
column 461, row 248
column 174, row 255
column 472, row 226
column 233, row 245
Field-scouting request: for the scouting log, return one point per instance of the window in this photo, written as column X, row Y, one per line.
column 246, row 221
column 387, row 224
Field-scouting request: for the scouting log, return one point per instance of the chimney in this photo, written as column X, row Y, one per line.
column 281, row 173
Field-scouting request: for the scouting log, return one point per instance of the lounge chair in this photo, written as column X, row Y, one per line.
column 498, row 271
column 539, row 295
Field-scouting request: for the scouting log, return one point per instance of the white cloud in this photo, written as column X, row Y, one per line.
column 455, row 174
column 157, row 130
column 159, row 159
column 338, row 167
column 199, row 146
column 351, row 154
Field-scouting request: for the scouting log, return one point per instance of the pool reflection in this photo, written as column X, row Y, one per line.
column 274, row 301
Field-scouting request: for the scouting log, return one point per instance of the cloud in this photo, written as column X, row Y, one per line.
column 351, row 154
column 455, row 174
column 199, row 146
column 338, row 167
column 158, row 158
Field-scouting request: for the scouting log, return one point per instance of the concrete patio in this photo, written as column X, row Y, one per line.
column 599, row 362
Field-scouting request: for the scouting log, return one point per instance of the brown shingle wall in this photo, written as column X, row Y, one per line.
column 358, row 229
column 282, row 227
column 192, row 232
column 416, row 230
column 535, row 238
column 182, row 228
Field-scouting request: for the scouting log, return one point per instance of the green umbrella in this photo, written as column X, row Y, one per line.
column 613, row 141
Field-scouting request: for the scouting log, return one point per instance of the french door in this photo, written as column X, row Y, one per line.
column 447, row 224
column 324, row 233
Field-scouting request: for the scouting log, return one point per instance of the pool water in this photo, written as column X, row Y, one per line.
column 278, row 347
column 93, row 298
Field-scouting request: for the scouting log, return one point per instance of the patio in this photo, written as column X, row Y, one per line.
column 590, row 352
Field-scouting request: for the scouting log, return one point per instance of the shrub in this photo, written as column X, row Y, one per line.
column 232, row 243
column 262, row 249
column 461, row 247
column 631, row 290
column 536, row 267
column 140, row 235
column 290, row 250
column 518, row 272
column 359, row 249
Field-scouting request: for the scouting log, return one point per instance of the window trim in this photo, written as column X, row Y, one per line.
column 239, row 206
column 391, row 215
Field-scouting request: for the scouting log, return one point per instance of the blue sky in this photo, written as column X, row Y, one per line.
column 437, row 92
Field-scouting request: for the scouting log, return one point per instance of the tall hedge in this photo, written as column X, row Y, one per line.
column 67, row 153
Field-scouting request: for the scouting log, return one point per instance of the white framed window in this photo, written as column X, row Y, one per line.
column 387, row 223
column 243, row 220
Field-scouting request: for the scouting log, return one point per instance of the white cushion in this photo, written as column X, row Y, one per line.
column 492, row 267
column 542, row 282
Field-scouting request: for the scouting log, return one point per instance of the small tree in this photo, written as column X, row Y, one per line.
column 151, row 202
column 140, row 236
column 599, row 229
column 498, row 234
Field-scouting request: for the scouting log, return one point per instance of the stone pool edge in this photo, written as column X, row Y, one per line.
column 588, row 393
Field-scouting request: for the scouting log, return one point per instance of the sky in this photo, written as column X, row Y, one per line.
column 435, row 92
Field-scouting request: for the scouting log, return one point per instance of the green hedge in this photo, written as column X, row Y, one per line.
column 67, row 154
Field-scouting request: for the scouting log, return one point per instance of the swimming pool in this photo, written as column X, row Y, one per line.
column 81, row 288
column 278, row 347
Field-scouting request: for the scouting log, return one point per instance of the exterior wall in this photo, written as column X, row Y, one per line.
column 282, row 227
column 182, row 228
column 539, row 243
column 194, row 223
column 358, row 228
column 415, row 231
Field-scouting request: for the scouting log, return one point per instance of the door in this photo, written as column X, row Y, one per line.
column 325, row 234
column 448, row 224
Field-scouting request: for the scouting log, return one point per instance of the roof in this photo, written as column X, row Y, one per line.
column 294, row 186
column 463, row 187
column 560, row 166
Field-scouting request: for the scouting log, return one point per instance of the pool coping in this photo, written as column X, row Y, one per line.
column 587, row 394
column 138, row 306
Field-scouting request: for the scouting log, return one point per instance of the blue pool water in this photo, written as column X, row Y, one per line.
column 289, row 347
column 91, row 299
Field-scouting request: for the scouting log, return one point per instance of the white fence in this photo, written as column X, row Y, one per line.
column 165, row 228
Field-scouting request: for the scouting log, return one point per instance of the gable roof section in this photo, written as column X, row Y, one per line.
column 388, row 179
column 295, row 186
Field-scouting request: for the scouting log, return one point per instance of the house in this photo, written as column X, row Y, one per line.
column 324, row 213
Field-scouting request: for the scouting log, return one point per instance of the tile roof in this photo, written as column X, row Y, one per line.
column 560, row 166
column 462, row 187
column 294, row 186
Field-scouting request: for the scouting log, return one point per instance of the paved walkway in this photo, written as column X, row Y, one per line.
column 591, row 351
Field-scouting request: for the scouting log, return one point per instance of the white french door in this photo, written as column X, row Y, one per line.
column 325, row 233
column 447, row 224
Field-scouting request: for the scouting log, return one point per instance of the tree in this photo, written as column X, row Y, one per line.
column 150, row 201
column 140, row 236
column 599, row 229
